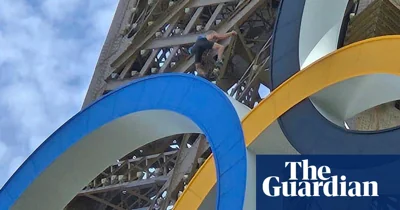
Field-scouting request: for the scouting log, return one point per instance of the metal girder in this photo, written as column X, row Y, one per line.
column 174, row 183
column 111, row 190
column 181, row 68
column 104, row 202
column 162, row 189
column 126, row 165
column 140, row 183
column 146, row 17
column 183, row 162
column 145, row 194
column 189, row 26
column 149, row 62
column 202, row 3
column 172, row 41
column 214, row 16
column 240, row 15
column 155, row 52
column 177, row 171
column 114, row 84
column 252, row 84
column 248, row 53
column 264, row 77
column 122, row 59
column 185, row 38
column 226, row 83
column 237, row 19
column 228, row 54
column 138, row 195
column 185, row 165
column 101, row 67
column 126, row 69
column 255, row 68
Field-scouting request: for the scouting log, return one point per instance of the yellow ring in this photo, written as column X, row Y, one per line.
column 371, row 56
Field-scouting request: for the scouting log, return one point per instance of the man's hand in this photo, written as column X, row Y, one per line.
column 234, row 33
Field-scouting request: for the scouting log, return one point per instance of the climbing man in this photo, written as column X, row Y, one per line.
column 207, row 42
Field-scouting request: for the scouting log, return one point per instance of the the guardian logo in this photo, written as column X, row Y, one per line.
column 316, row 181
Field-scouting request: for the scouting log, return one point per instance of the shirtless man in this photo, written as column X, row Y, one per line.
column 207, row 42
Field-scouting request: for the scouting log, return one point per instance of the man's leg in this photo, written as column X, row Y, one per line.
column 220, row 50
column 198, row 54
column 200, row 70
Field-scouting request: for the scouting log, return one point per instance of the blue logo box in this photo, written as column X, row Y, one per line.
column 328, row 182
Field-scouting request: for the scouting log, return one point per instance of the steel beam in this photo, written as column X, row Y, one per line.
column 228, row 55
column 127, row 163
column 185, row 164
column 114, row 84
column 148, row 157
column 138, row 200
column 264, row 78
column 172, row 41
column 181, row 68
column 121, row 59
column 177, row 174
column 104, row 202
column 189, row 26
column 147, row 18
column 137, row 194
column 185, row 38
column 202, row 3
column 226, row 83
column 144, row 183
column 174, row 182
column 241, row 15
column 137, row 164
column 102, row 65
column 126, row 69
column 249, row 54
column 155, row 52
column 214, row 16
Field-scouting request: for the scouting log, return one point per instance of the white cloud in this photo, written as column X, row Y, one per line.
column 3, row 150
column 60, row 9
column 48, row 54
column 100, row 17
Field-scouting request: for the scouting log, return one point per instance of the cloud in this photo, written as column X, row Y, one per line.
column 49, row 50
column 60, row 9
column 3, row 150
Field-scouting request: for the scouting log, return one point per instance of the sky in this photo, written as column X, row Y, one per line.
column 48, row 53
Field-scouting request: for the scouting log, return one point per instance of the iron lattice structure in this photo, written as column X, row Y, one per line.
column 151, row 37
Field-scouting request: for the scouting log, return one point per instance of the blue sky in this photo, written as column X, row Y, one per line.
column 48, row 52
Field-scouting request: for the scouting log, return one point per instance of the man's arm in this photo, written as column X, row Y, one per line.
column 219, row 36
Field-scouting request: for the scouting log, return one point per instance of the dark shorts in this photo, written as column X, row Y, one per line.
column 201, row 45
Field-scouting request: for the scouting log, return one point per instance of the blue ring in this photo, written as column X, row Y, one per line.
column 193, row 97
column 304, row 127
